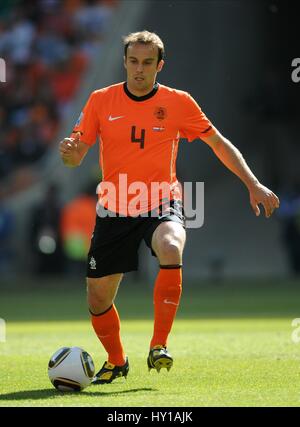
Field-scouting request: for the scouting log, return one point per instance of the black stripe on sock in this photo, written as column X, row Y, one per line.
column 100, row 314
column 170, row 267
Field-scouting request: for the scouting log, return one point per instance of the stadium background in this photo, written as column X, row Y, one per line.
column 235, row 58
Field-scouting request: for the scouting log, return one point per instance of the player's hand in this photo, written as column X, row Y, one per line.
column 69, row 145
column 68, row 149
column 259, row 194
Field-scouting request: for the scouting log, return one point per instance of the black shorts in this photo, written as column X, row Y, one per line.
column 116, row 240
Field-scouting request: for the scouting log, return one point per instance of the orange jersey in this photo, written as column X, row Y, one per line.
column 139, row 139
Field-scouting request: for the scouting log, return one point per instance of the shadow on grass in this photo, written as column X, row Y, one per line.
column 52, row 393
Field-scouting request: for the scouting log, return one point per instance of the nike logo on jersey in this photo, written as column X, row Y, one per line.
column 111, row 119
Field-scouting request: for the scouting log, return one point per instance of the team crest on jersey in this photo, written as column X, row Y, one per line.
column 160, row 113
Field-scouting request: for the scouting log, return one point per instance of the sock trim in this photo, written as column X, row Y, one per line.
column 100, row 314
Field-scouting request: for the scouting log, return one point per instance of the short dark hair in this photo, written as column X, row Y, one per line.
column 145, row 37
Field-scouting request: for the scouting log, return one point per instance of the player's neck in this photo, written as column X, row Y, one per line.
column 142, row 92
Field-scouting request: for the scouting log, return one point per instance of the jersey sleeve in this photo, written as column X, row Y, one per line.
column 195, row 124
column 88, row 123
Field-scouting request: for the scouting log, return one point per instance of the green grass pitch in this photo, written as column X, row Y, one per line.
column 231, row 342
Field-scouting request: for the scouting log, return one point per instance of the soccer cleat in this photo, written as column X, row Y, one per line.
column 158, row 358
column 109, row 372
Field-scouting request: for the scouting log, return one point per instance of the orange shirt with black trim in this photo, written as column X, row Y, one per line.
column 138, row 139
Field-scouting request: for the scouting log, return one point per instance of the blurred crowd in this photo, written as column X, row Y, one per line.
column 46, row 45
column 57, row 234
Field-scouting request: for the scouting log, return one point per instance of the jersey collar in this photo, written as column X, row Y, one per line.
column 141, row 98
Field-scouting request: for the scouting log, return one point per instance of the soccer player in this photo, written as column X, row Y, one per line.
column 139, row 123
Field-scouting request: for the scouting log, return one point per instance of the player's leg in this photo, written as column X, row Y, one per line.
column 168, row 243
column 111, row 254
column 101, row 293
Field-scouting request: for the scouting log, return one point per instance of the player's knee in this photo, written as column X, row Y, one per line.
column 170, row 251
column 98, row 298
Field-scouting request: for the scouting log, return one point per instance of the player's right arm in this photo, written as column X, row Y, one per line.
column 72, row 151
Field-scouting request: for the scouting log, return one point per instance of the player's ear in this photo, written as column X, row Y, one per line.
column 160, row 65
column 124, row 58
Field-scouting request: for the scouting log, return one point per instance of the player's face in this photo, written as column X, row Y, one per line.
column 142, row 67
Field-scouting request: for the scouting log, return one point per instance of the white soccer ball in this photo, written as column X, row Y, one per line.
column 71, row 369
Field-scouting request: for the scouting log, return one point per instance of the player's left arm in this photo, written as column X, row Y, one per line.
column 233, row 159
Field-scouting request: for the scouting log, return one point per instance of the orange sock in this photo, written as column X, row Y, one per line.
column 167, row 292
column 107, row 328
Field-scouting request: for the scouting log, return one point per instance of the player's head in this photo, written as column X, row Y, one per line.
column 143, row 59
column 146, row 38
